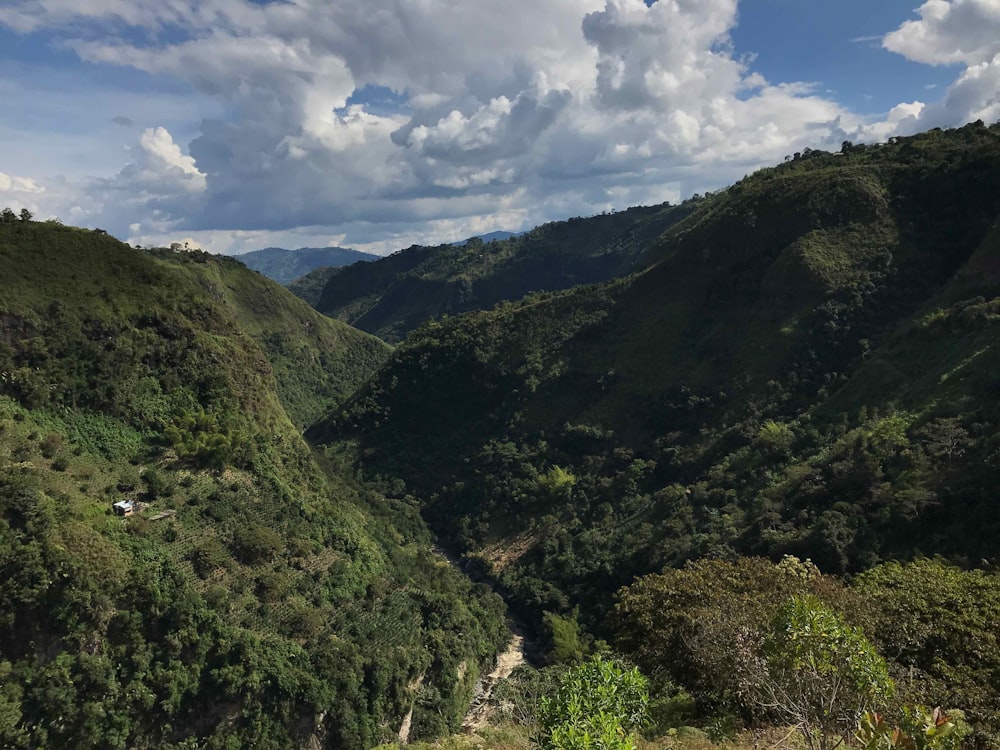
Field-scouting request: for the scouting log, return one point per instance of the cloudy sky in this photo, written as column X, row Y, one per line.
column 238, row 124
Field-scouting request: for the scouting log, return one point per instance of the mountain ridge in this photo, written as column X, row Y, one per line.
column 740, row 395
column 179, row 566
column 394, row 295
column 285, row 266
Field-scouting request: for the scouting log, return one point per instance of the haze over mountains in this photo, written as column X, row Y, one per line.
column 285, row 266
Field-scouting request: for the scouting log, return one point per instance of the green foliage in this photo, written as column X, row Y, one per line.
column 557, row 483
column 393, row 296
column 816, row 672
column 938, row 622
column 254, row 544
column 197, row 437
column 568, row 644
column 687, row 626
column 598, row 705
column 919, row 729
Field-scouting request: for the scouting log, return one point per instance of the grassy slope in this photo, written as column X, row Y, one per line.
column 779, row 380
column 394, row 295
column 277, row 605
column 317, row 361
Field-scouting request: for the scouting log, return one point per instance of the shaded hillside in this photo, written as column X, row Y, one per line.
column 253, row 597
column 285, row 266
column 394, row 295
column 807, row 366
column 309, row 288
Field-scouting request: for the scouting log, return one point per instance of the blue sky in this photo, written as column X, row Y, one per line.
column 839, row 46
column 378, row 123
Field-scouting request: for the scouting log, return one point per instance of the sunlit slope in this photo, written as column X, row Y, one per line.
column 250, row 595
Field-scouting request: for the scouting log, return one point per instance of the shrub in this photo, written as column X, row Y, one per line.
column 598, row 705
column 51, row 444
column 255, row 544
column 814, row 671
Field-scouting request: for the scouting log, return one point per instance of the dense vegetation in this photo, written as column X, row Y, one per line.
column 285, row 266
column 394, row 295
column 807, row 366
column 253, row 597
column 310, row 287
column 760, row 468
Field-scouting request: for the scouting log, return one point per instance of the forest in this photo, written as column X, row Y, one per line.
column 722, row 463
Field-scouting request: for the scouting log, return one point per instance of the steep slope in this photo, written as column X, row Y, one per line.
column 317, row 361
column 284, row 266
column 806, row 366
column 394, row 295
column 309, row 288
column 253, row 596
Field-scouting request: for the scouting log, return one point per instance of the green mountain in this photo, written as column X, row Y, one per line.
column 285, row 266
column 394, row 295
column 310, row 287
column 807, row 365
column 177, row 567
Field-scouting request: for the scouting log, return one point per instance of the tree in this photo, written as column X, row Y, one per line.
column 814, row 671
column 597, row 707
column 8, row 216
column 938, row 622
column 25, row 215
column 569, row 646
column 685, row 625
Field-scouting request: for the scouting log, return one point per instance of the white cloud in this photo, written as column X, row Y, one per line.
column 965, row 32
column 949, row 31
column 10, row 184
column 511, row 112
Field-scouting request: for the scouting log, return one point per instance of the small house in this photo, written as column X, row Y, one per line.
column 124, row 508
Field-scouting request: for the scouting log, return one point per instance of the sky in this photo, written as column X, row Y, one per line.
column 376, row 124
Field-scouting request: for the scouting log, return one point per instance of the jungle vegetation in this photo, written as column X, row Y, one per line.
column 737, row 450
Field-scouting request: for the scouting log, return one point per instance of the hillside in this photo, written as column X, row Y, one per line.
column 251, row 595
column 807, row 365
column 309, row 288
column 396, row 294
column 285, row 266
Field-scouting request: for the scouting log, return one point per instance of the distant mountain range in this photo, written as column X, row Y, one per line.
column 396, row 294
column 285, row 266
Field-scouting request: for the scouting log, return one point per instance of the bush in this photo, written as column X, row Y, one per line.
column 256, row 544
column 51, row 444
column 598, row 705
column 814, row 671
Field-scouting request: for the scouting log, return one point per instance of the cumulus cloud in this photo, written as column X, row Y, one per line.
column 506, row 112
column 948, row 32
column 10, row 184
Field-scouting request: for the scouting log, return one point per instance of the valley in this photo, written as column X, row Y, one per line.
column 639, row 436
